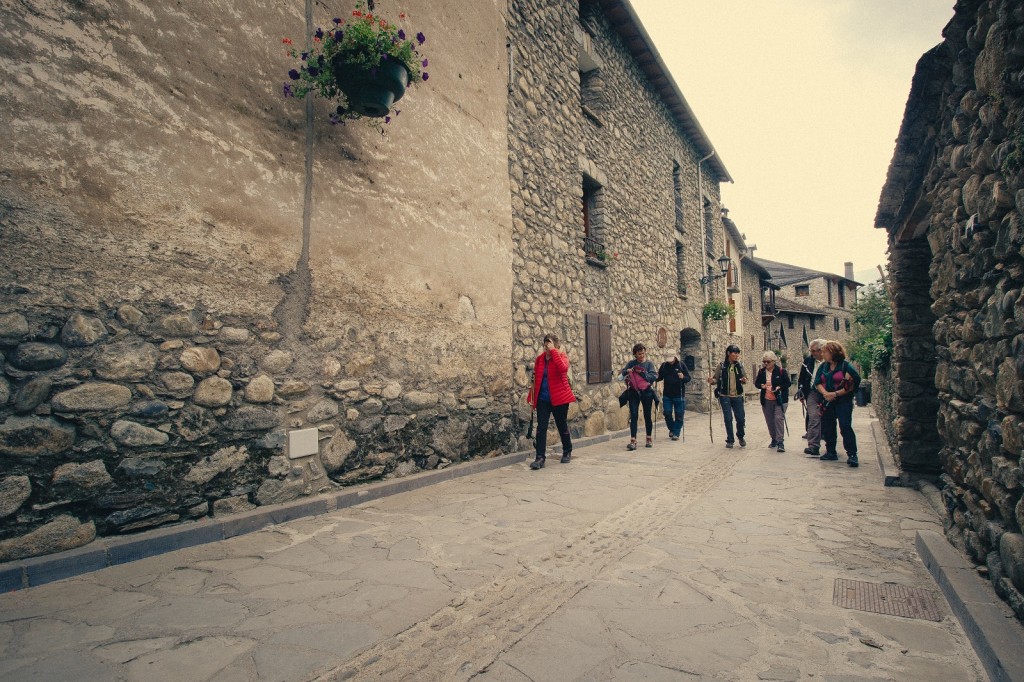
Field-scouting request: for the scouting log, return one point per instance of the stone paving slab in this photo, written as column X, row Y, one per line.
column 684, row 561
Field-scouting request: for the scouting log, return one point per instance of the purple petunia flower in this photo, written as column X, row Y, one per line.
column 338, row 35
column 334, row 119
column 313, row 71
column 288, row 90
column 426, row 75
column 304, row 56
column 420, row 38
column 336, row 21
column 387, row 119
column 319, row 33
column 401, row 34
column 424, row 62
column 293, row 74
column 385, row 57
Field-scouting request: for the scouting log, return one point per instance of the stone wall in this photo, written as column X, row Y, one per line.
column 181, row 289
column 954, row 206
column 553, row 143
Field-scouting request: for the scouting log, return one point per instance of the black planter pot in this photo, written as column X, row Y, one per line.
column 371, row 92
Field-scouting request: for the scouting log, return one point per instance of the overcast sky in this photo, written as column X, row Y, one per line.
column 803, row 100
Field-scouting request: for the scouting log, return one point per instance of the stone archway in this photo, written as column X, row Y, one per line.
column 912, row 395
column 691, row 351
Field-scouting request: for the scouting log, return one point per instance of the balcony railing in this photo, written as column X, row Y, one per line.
column 596, row 252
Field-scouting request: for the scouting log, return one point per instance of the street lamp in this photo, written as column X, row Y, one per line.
column 724, row 263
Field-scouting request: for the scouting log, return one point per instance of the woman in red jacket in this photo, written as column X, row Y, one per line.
column 551, row 395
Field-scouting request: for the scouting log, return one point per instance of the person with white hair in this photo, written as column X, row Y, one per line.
column 811, row 398
column 773, row 381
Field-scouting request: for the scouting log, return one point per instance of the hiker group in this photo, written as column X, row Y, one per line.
column 826, row 383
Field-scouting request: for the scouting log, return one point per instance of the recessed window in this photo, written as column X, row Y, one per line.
column 791, row 321
column 836, row 325
column 846, row 323
column 813, row 323
column 593, row 221
column 680, row 269
column 677, row 193
column 803, row 290
column 750, row 302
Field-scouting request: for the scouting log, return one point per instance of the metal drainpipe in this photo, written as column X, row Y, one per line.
column 703, row 227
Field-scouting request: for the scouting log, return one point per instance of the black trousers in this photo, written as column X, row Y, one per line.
column 544, row 412
column 635, row 400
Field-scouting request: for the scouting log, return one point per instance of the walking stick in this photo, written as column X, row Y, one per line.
column 711, row 428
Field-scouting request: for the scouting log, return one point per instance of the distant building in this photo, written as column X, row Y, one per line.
column 811, row 304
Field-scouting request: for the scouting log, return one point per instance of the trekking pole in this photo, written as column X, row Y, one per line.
column 711, row 428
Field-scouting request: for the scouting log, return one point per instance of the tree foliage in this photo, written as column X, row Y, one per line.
column 871, row 344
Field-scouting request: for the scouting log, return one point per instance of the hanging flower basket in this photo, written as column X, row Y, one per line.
column 371, row 91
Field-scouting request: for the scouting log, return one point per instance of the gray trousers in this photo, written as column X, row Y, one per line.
column 775, row 417
column 813, row 403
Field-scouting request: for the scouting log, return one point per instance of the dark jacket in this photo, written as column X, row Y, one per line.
column 806, row 377
column 647, row 371
column 669, row 373
column 834, row 380
column 779, row 381
column 723, row 378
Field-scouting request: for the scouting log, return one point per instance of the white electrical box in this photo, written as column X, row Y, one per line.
column 303, row 443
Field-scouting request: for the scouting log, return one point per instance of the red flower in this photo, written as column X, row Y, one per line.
column 383, row 23
column 356, row 13
column 401, row 15
column 287, row 41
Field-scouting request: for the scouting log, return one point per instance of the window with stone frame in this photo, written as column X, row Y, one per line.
column 593, row 219
column 828, row 285
column 814, row 323
column 841, row 290
column 846, row 324
column 598, row 334
column 709, row 229
column 791, row 321
column 750, row 302
column 677, row 197
column 680, row 268
column 803, row 290
column 751, row 342
column 836, row 324
column 592, row 86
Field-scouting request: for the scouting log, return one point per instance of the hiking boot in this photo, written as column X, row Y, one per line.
column 743, row 443
column 537, row 463
column 782, row 448
column 632, row 445
column 772, row 444
column 812, row 452
column 852, row 461
column 728, row 444
column 649, row 444
column 829, row 457
column 566, row 457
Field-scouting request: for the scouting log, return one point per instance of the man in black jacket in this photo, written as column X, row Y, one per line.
column 675, row 375
column 810, row 397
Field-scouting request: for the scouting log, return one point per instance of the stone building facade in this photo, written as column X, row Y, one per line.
column 198, row 270
column 813, row 290
column 953, row 205
column 196, row 267
column 612, row 229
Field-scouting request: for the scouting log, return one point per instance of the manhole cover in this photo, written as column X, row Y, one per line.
column 887, row 598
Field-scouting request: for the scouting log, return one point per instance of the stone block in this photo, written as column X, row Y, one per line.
column 62, row 533
column 14, row 490
column 34, row 437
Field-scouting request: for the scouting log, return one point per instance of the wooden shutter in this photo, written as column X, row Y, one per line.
column 593, row 339
column 605, row 329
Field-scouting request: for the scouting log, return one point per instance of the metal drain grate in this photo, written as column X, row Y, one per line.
column 887, row 598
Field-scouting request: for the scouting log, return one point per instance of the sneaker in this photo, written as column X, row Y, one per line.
column 772, row 444
column 728, row 444
column 812, row 452
column 537, row 463
column 649, row 444
column 829, row 457
column 673, row 436
column 743, row 443
column 782, row 448
column 852, row 461
column 632, row 445
column 566, row 458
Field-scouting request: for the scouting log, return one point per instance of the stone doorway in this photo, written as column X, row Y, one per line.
column 691, row 351
column 913, row 397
